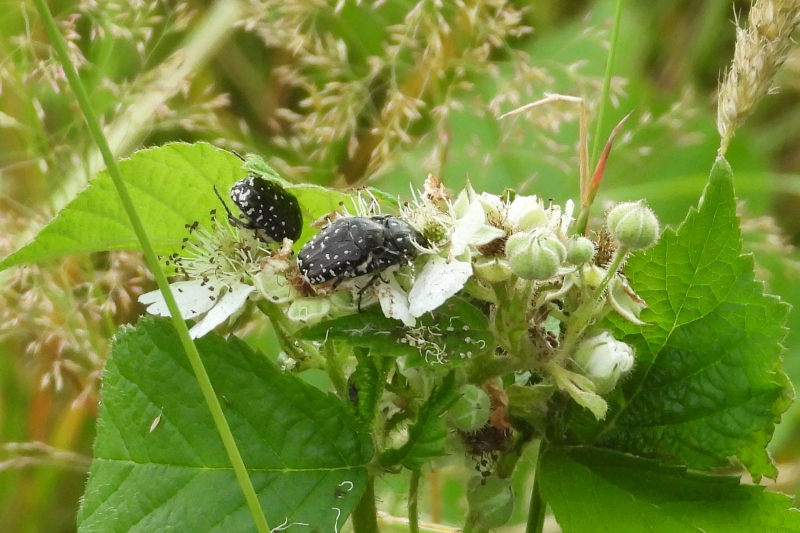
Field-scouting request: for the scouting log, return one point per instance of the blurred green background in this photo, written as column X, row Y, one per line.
column 347, row 94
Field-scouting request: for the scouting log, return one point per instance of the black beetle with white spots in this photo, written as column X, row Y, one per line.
column 268, row 208
column 357, row 246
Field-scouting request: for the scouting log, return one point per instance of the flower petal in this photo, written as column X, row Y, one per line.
column 193, row 299
column 466, row 227
column 231, row 301
column 626, row 302
column 485, row 235
column 394, row 301
column 493, row 205
column 438, row 281
column 526, row 212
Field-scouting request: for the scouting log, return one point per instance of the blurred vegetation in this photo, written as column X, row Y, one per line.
column 343, row 94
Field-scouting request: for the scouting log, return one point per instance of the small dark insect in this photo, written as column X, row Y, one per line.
column 352, row 394
column 358, row 246
column 268, row 209
column 485, row 445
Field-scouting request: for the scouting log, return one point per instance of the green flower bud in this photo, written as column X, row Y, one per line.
column 603, row 359
column 633, row 224
column 491, row 501
column 471, row 410
column 308, row 310
column 274, row 287
column 536, row 255
column 492, row 269
column 580, row 250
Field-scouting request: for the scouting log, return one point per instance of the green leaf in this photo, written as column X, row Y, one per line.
column 454, row 333
column 591, row 489
column 160, row 465
column 368, row 383
column 426, row 438
column 171, row 186
column 707, row 384
column 369, row 329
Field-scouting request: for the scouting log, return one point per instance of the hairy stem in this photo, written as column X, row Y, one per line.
column 365, row 515
column 334, row 370
column 413, row 502
column 538, row 507
column 586, row 312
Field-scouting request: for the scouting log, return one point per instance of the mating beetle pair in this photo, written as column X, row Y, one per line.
column 349, row 247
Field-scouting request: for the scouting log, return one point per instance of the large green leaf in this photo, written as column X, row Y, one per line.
column 708, row 384
column 171, row 186
column 592, row 490
column 160, row 464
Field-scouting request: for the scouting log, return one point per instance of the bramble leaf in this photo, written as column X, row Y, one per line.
column 426, row 438
column 171, row 186
column 159, row 463
column 707, row 384
column 367, row 383
column 453, row 333
column 591, row 489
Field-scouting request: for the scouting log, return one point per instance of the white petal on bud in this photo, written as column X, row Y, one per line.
column 603, row 359
column 493, row 205
column 465, row 228
column 526, row 212
column 472, row 229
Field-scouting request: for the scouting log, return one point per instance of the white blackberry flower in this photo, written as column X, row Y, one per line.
column 219, row 265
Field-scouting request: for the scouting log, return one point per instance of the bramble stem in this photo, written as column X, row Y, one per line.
column 581, row 317
column 413, row 502
column 334, row 370
column 365, row 515
column 538, row 507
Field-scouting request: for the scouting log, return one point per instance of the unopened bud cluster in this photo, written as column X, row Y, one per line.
column 526, row 261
